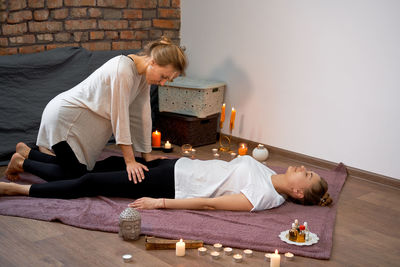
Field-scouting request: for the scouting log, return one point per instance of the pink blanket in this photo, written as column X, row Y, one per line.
column 258, row 231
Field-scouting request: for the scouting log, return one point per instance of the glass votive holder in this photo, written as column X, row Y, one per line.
column 202, row 251
column 237, row 258
column 217, row 247
column 242, row 150
column 248, row 253
column 186, row 150
column 193, row 152
column 215, row 255
column 228, row 251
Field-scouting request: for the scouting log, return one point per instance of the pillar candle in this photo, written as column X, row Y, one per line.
column 180, row 248
column 167, row 145
column 232, row 122
column 275, row 259
column 156, row 139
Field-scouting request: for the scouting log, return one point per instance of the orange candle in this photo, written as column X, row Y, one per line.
column 223, row 113
column 232, row 122
column 156, row 139
column 242, row 149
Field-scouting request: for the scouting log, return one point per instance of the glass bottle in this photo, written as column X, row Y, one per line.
column 301, row 236
column 293, row 233
column 296, row 223
column 307, row 232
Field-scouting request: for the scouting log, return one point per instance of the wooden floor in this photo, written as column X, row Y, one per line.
column 366, row 234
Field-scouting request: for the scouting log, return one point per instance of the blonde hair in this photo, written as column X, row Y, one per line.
column 164, row 53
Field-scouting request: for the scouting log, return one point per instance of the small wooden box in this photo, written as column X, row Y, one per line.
column 182, row 129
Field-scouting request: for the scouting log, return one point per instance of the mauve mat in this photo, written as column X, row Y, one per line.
column 257, row 230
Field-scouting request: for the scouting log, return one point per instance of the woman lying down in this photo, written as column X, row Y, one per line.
column 242, row 184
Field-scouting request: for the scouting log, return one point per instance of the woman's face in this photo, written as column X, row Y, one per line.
column 159, row 75
column 299, row 178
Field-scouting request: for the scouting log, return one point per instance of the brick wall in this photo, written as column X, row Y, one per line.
column 29, row 26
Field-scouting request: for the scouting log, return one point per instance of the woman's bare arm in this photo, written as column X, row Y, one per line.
column 237, row 202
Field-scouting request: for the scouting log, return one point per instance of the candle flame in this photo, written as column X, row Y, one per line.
column 181, row 240
column 276, row 251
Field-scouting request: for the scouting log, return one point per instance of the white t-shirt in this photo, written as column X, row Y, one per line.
column 213, row 178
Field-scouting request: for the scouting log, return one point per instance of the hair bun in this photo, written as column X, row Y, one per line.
column 325, row 200
column 165, row 40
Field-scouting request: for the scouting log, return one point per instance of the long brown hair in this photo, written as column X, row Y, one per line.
column 316, row 195
column 164, row 53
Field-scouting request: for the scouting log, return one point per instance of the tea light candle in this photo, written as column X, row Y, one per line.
column 289, row 256
column 216, row 156
column 237, row 258
column 187, row 153
column 156, row 139
column 242, row 149
column 215, row 150
column 214, row 255
column 193, row 152
column 180, row 248
column 228, row 251
column 202, row 251
column 233, row 155
column 167, row 145
column 275, row 259
column 218, row 247
column 127, row 257
column 267, row 256
column 248, row 252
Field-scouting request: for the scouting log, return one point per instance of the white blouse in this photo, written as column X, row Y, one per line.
column 213, row 178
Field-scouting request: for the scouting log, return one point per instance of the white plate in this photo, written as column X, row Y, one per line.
column 313, row 239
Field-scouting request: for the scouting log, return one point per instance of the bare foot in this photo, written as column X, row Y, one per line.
column 14, row 167
column 23, row 149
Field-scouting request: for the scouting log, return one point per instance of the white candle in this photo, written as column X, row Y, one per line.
column 267, row 256
column 215, row 255
column 275, row 259
column 216, row 156
column 228, row 251
column 167, row 145
column 237, row 258
column 202, row 251
column 215, row 150
column 218, row 247
column 289, row 256
column 248, row 252
column 180, row 248
column 127, row 257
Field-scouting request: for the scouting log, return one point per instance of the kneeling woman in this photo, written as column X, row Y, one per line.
column 242, row 184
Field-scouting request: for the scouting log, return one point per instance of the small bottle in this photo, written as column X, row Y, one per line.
column 293, row 233
column 296, row 223
column 301, row 236
column 307, row 232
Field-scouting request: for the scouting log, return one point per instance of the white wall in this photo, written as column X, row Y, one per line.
column 321, row 78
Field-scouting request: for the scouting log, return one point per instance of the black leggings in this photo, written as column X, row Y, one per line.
column 113, row 182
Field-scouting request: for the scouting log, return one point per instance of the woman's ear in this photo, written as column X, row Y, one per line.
column 298, row 193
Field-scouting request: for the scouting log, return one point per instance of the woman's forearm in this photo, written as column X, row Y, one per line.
column 188, row 203
column 128, row 153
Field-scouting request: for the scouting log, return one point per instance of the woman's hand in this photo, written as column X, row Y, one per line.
column 148, row 203
column 150, row 157
column 135, row 171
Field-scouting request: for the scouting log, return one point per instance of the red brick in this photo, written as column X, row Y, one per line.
column 112, row 3
column 14, row 29
column 126, row 45
column 81, row 36
column 3, row 16
column 140, row 35
column 113, row 24
column 8, row 51
column 55, row 3
column 127, row 35
column 16, row 5
column 80, row 24
column 24, row 39
column 46, row 37
column 59, row 13
column 97, row 46
column 155, row 34
column 112, row 35
column 41, row 14
column 164, row 3
column 62, row 37
column 132, row 14
column 175, row 3
column 169, row 13
column 140, row 24
column 75, row 3
column 171, row 34
column 95, row 12
column 31, row 49
column 78, row 12
column 46, row 26
column 19, row 16
column 98, row 35
column 111, row 13
column 143, row 3
column 53, row 46
column 36, row 3
column 3, row 42
column 166, row 24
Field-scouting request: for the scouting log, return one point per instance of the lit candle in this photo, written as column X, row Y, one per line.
column 215, row 150
column 275, row 259
column 180, row 248
column 289, row 256
column 233, row 155
column 167, row 145
column 215, row 255
column 242, row 149
column 248, row 252
column 156, row 139
column 237, row 258
column 202, row 251
column 228, row 251
column 223, row 113
column 216, row 156
column 218, row 247
column 232, row 122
